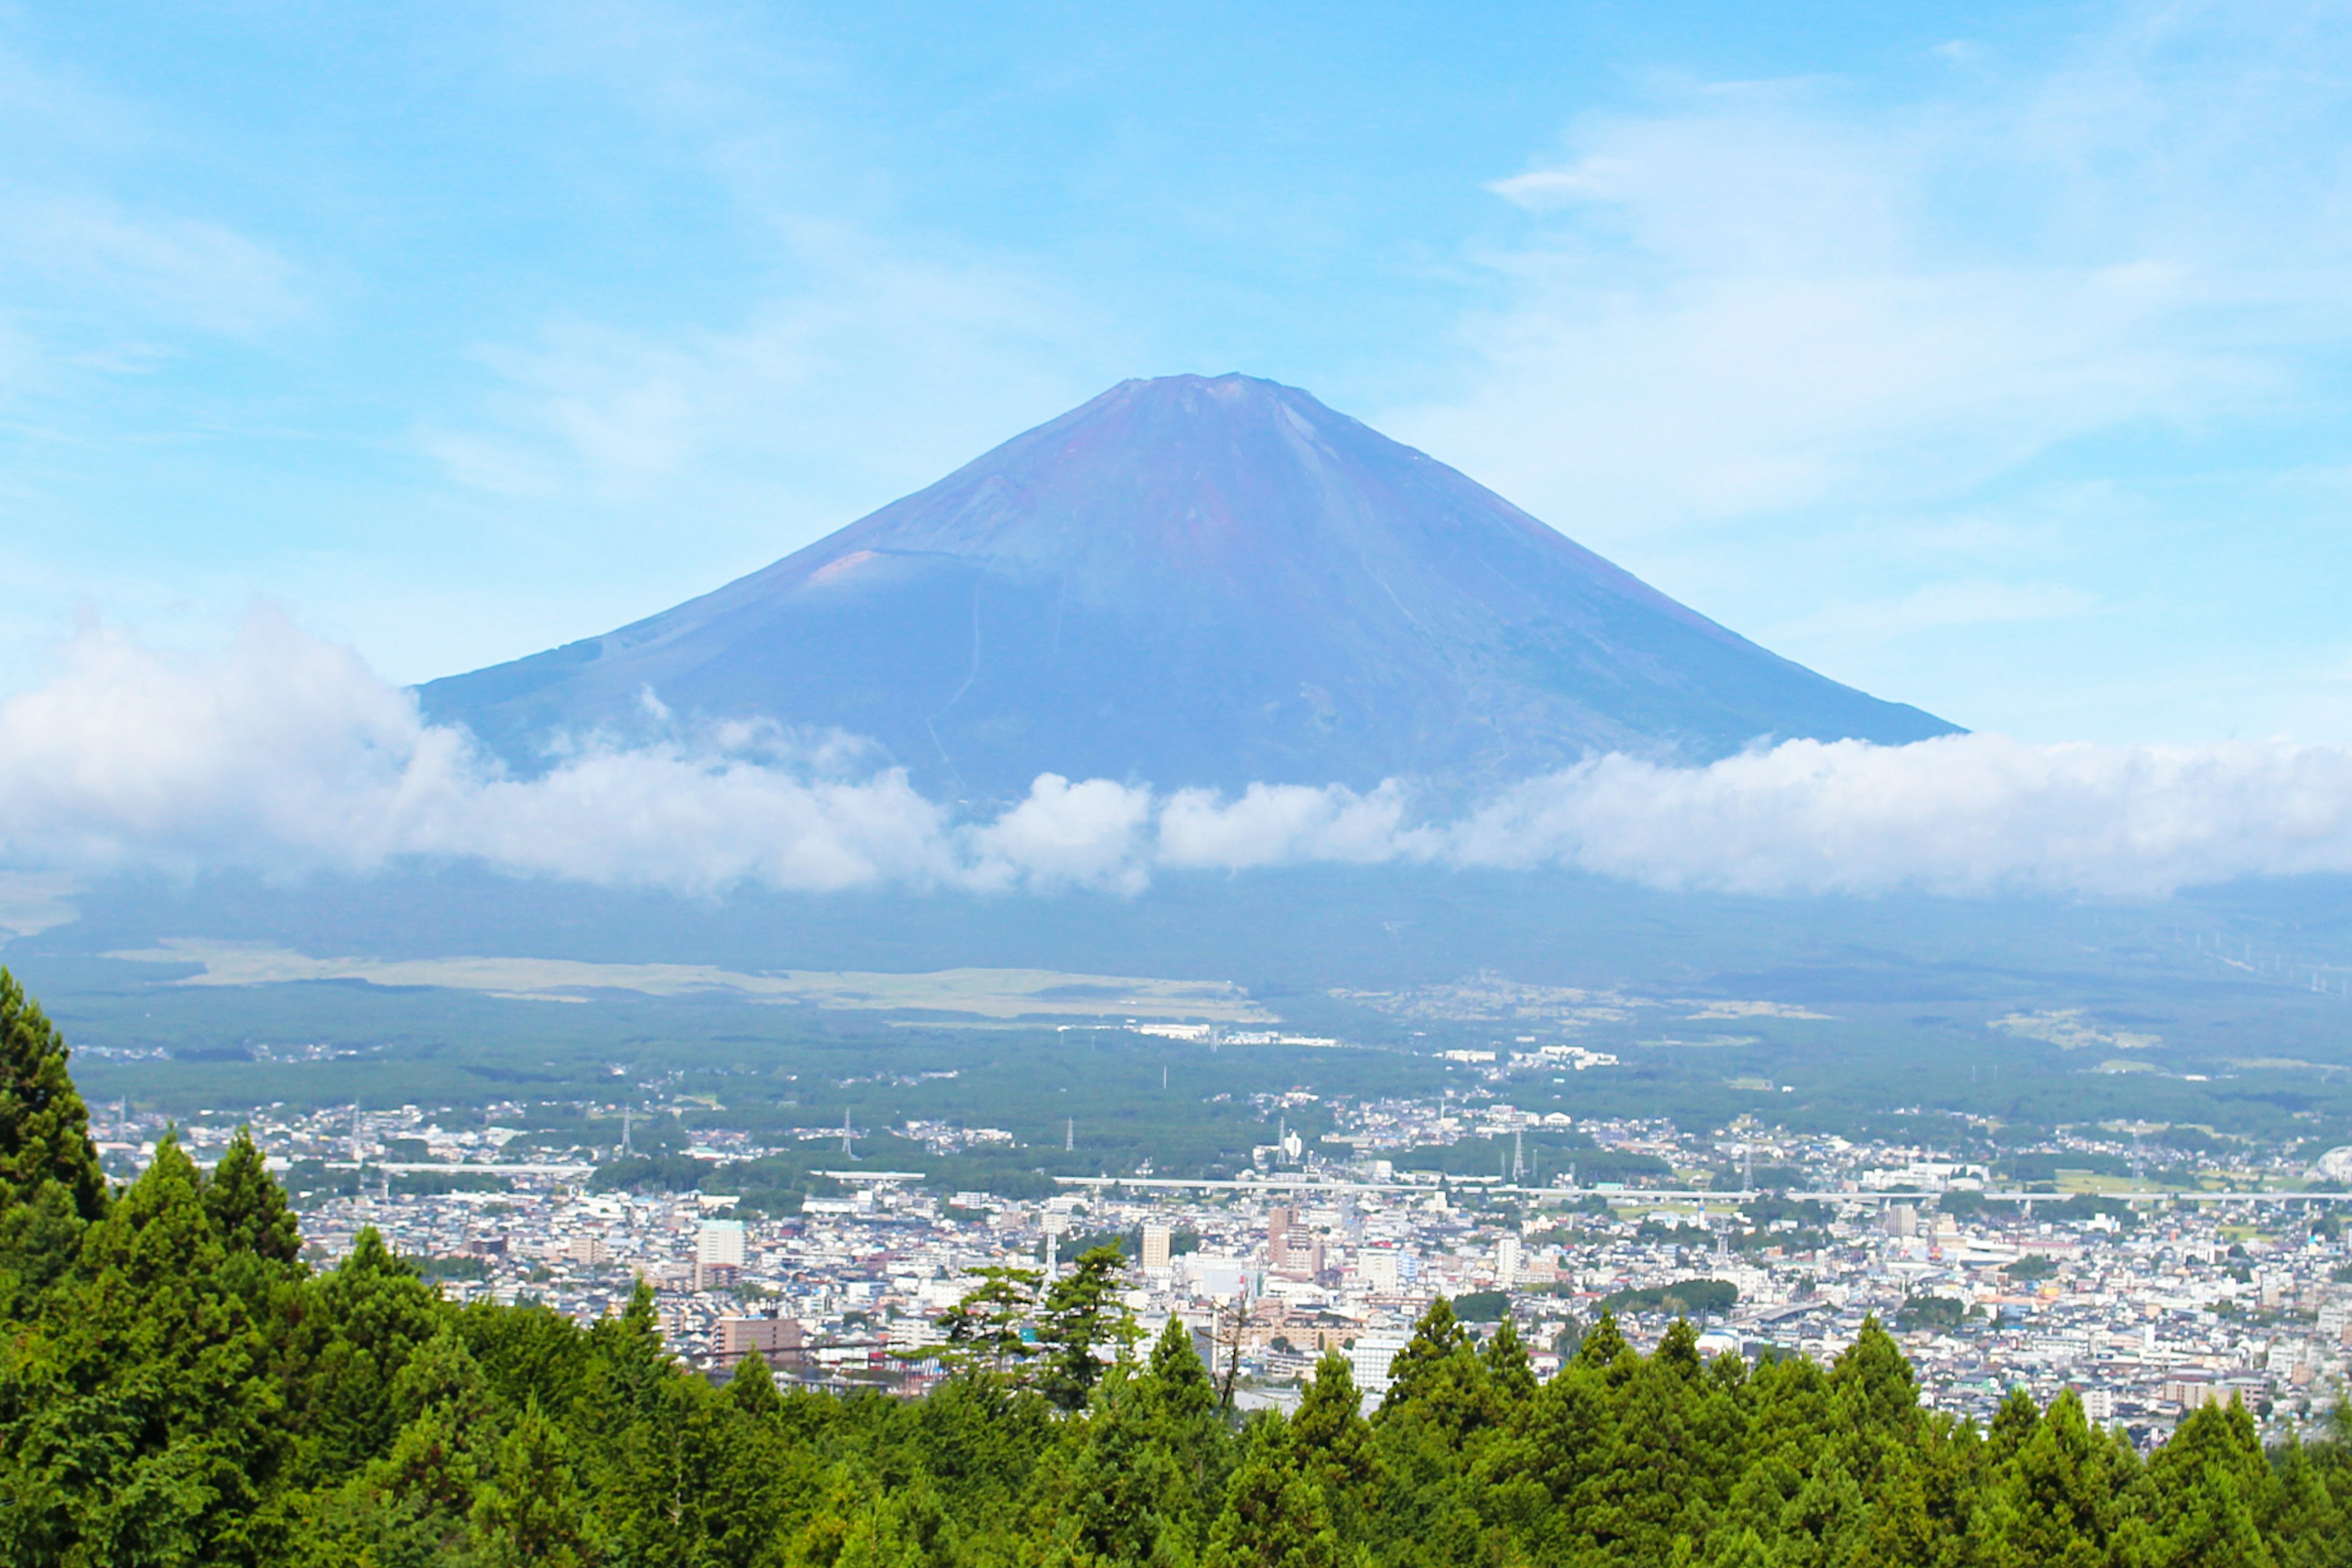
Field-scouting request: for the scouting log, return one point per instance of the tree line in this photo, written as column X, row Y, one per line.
column 178, row 1387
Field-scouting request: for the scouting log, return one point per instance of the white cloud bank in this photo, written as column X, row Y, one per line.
column 284, row 753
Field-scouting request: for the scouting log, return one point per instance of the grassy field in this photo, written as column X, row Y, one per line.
column 979, row 993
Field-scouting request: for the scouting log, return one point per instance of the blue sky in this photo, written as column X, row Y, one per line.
column 1997, row 362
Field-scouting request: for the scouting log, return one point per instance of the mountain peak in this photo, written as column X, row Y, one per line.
column 1192, row 580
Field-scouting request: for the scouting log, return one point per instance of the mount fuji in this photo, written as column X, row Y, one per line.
column 1187, row 581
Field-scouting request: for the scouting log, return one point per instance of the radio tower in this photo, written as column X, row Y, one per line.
column 846, row 1149
column 1069, row 1133
column 1519, row 1159
column 626, row 1147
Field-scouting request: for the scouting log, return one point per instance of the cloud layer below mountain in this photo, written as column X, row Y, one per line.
column 286, row 754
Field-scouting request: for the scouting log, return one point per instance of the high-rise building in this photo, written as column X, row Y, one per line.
column 721, row 1241
column 776, row 1339
column 1507, row 1262
column 1277, row 1237
column 1155, row 1245
column 1369, row 1357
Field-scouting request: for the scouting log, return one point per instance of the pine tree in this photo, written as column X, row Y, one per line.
column 1081, row 1311
column 983, row 1331
column 44, row 1126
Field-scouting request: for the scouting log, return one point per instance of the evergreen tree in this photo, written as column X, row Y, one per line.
column 248, row 1207
column 44, row 1126
column 752, row 1390
column 2201, row 1496
column 1333, row 1440
column 2052, row 1502
column 373, row 1311
column 983, row 1331
column 140, row 1428
column 2304, row 1518
column 176, row 1388
column 530, row 1516
column 1275, row 1515
column 1509, row 1371
column 1602, row 1344
column 1127, row 1483
column 1429, row 1356
column 1082, row 1311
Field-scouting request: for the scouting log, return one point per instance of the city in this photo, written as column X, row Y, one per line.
column 2149, row 1293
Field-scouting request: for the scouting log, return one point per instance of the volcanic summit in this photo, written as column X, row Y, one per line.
column 1189, row 581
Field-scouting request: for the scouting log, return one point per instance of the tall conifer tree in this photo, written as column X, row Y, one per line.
column 44, row 1126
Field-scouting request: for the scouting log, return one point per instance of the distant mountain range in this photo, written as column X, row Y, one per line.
column 1188, row 581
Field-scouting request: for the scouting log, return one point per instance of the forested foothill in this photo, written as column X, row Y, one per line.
column 2004, row 1012
column 180, row 1386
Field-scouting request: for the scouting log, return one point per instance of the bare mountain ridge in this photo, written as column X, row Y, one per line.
column 1189, row 581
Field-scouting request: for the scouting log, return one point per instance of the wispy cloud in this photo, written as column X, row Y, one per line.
column 791, row 397
column 152, row 266
column 284, row 753
column 1762, row 297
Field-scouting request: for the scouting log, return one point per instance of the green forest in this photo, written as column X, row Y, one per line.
column 178, row 1387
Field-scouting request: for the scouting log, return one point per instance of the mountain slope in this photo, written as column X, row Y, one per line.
column 1189, row 581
